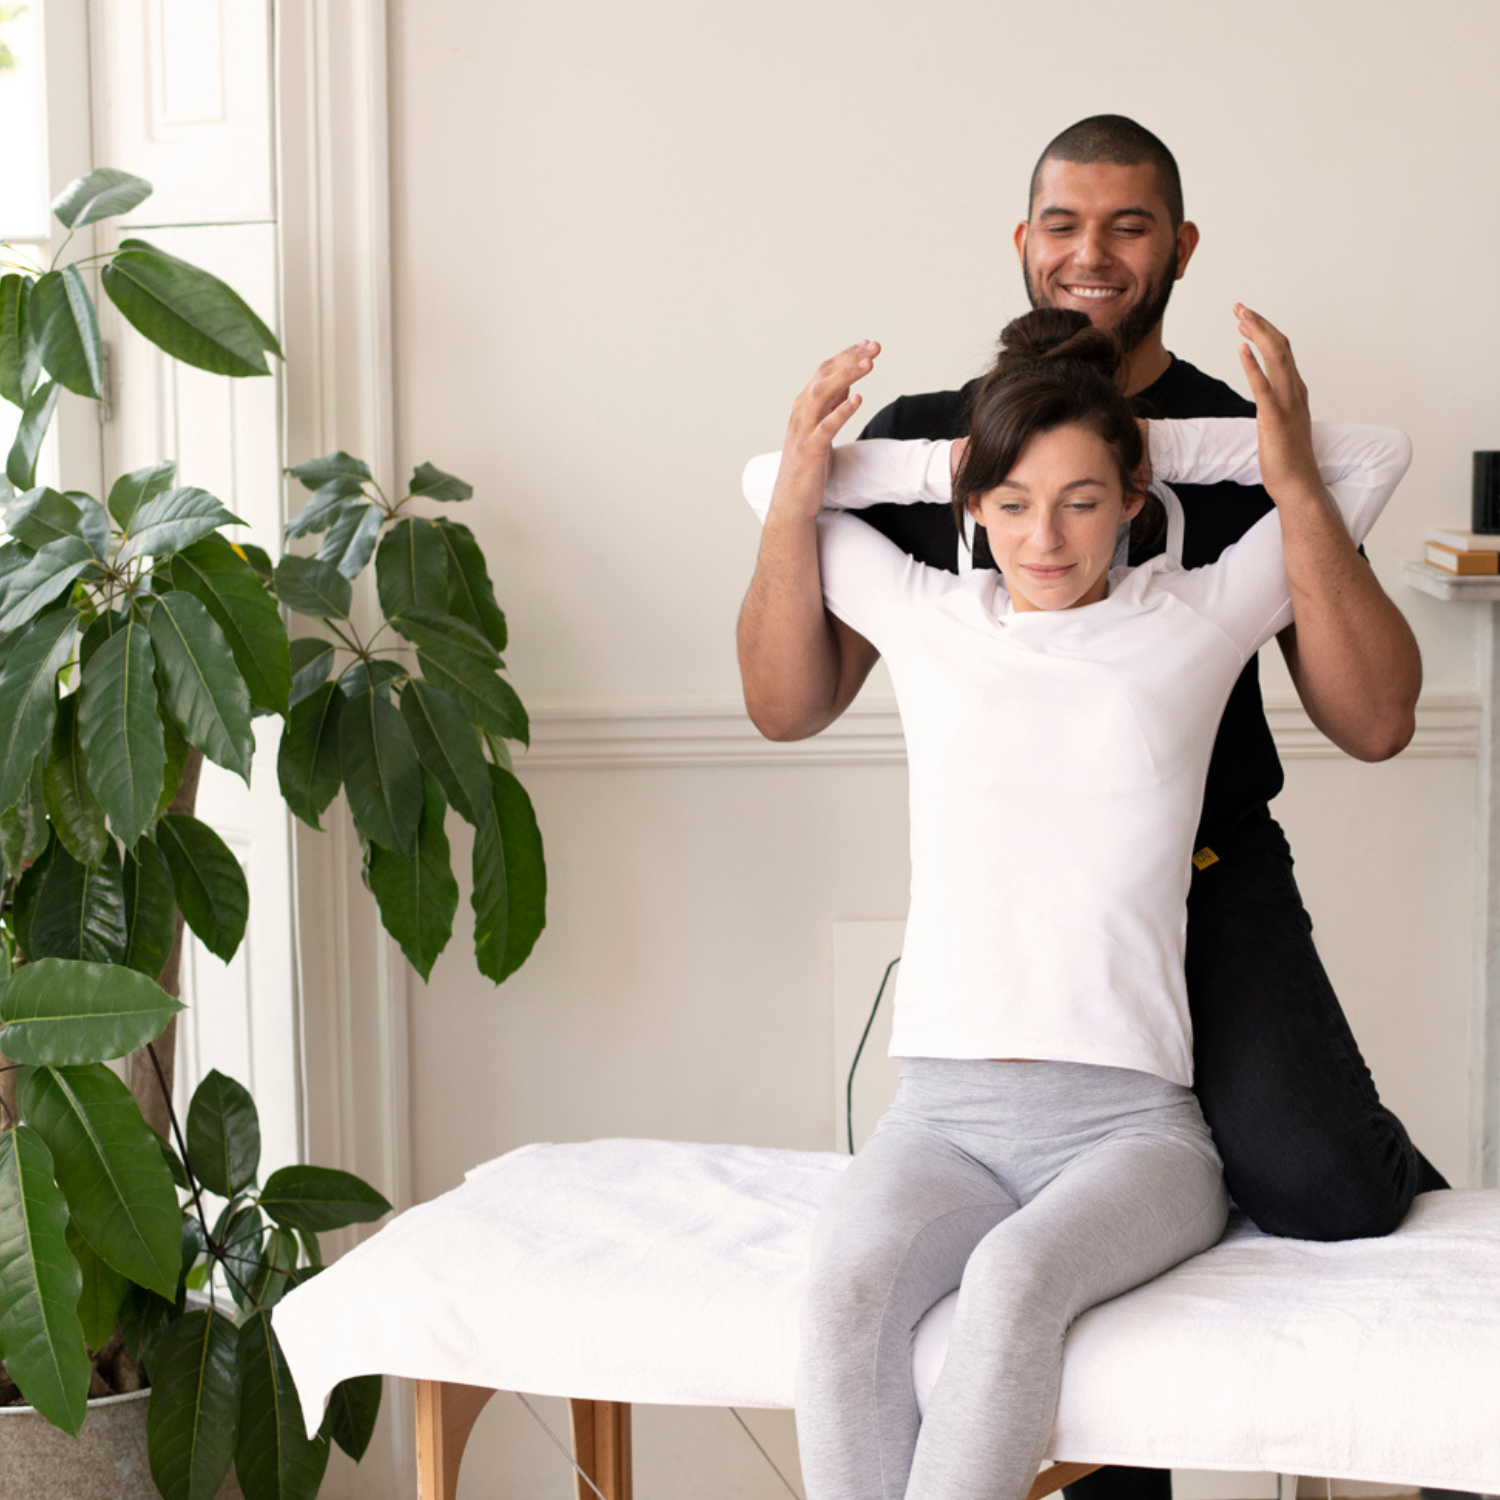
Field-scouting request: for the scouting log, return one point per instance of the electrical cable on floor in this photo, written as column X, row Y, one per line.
column 782, row 1477
column 849, row 1087
column 559, row 1446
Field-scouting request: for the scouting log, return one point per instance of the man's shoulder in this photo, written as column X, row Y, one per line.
column 929, row 414
column 1186, row 391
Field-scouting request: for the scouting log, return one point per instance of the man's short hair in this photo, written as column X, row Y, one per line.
column 1120, row 142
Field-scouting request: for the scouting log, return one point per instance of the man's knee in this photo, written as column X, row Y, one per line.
column 1359, row 1192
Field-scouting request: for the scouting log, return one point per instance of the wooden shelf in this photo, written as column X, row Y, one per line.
column 1441, row 584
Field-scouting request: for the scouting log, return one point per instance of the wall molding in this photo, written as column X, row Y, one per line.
column 717, row 732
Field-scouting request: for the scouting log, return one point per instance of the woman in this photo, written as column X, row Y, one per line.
column 1045, row 1151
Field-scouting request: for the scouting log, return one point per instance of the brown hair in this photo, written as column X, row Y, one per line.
column 1054, row 369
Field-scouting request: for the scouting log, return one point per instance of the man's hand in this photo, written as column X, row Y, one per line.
column 1283, row 419
column 1352, row 656
column 820, row 411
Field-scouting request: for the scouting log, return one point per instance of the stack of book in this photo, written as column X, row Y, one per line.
column 1463, row 551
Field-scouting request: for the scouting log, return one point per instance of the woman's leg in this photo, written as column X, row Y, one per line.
column 892, row 1240
column 1120, row 1213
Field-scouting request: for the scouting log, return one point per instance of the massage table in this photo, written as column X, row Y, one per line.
column 620, row 1271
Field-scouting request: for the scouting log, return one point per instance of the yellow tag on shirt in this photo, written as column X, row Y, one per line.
column 1204, row 858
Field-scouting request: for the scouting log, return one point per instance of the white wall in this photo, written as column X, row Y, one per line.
column 624, row 234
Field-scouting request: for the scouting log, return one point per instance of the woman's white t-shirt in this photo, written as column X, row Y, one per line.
column 1057, row 757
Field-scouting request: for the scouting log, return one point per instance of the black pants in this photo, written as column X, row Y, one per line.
column 1309, row 1150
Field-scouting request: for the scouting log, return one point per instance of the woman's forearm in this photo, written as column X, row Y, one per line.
column 882, row 471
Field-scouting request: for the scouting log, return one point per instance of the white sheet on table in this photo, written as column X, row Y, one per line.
column 654, row 1271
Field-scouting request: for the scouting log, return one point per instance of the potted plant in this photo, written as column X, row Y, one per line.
column 135, row 639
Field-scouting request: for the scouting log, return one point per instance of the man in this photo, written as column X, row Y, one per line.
column 1308, row 1149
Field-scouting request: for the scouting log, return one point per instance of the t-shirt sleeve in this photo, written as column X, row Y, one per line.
column 880, row 472
column 1245, row 592
column 868, row 581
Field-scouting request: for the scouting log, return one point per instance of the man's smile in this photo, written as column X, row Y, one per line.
column 1092, row 292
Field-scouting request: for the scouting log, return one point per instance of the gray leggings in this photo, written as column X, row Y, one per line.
column 1036, row 1188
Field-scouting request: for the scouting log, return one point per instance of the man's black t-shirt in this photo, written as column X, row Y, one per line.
column 1244, row 773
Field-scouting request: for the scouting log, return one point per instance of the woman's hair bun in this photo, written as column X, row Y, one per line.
column 1046, row 334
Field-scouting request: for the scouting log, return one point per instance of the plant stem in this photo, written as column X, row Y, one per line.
column 187, row 1166
column 61, row 248
column 355, row 645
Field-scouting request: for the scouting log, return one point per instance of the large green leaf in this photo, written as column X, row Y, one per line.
column 24, row 829
column 373, row 675
column 177, row 750
column 211, row 891
column 41, row 1340
column 172, row 521
column 312, row 660
column 416, row 892
column 216, row 575
column 19, row 364
column 223, row 1135
column 43, row 515
column 201, row 684
column 186, row 312
column 64, row 1012
column 150, row 909
column 104, row 626
column 329, row 501
column 411, row 568
column 103, row 1291
column 80, row 912
column 353, row 1406
column 28, row 698
column 510, row 880
column 101, row 194
column 308, row 766
column 317, row 472
column 131, row 491
column 28, row 888
column 430, row 483
column 274, row 1459
column 34, row 585
column 110, row 1170
column 382, row 777
column 312, row 587
column 272, row 1278
column 446, row 745
column 195, row 1404
column 319, row 1198
column 351, row 539
column 121, row 730
column 487, row 699
column 436, row 627
column 240, row 1233
column 67, row 331
column 36, row 415
column 473, row 597
column 70, row 801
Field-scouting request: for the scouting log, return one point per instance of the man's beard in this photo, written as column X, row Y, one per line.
column 1142, row 318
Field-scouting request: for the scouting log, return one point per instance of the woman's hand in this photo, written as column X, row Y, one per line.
column 820, row 411
column 1288, row 464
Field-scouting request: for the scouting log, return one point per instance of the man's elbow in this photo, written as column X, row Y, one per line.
column 1391, row 735
column 783, row 722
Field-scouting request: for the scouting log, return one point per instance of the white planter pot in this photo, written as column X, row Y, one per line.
column 106, row 1461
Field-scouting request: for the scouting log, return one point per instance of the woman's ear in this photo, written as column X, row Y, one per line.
column 974, row 509
column 1134, row 500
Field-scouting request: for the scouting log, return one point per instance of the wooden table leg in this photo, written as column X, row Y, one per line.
column 601, row 1447
column 446, row 1414
column 1055, row 1476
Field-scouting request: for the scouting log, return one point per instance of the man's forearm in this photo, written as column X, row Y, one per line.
column 799, row 667
column 1352, row 656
